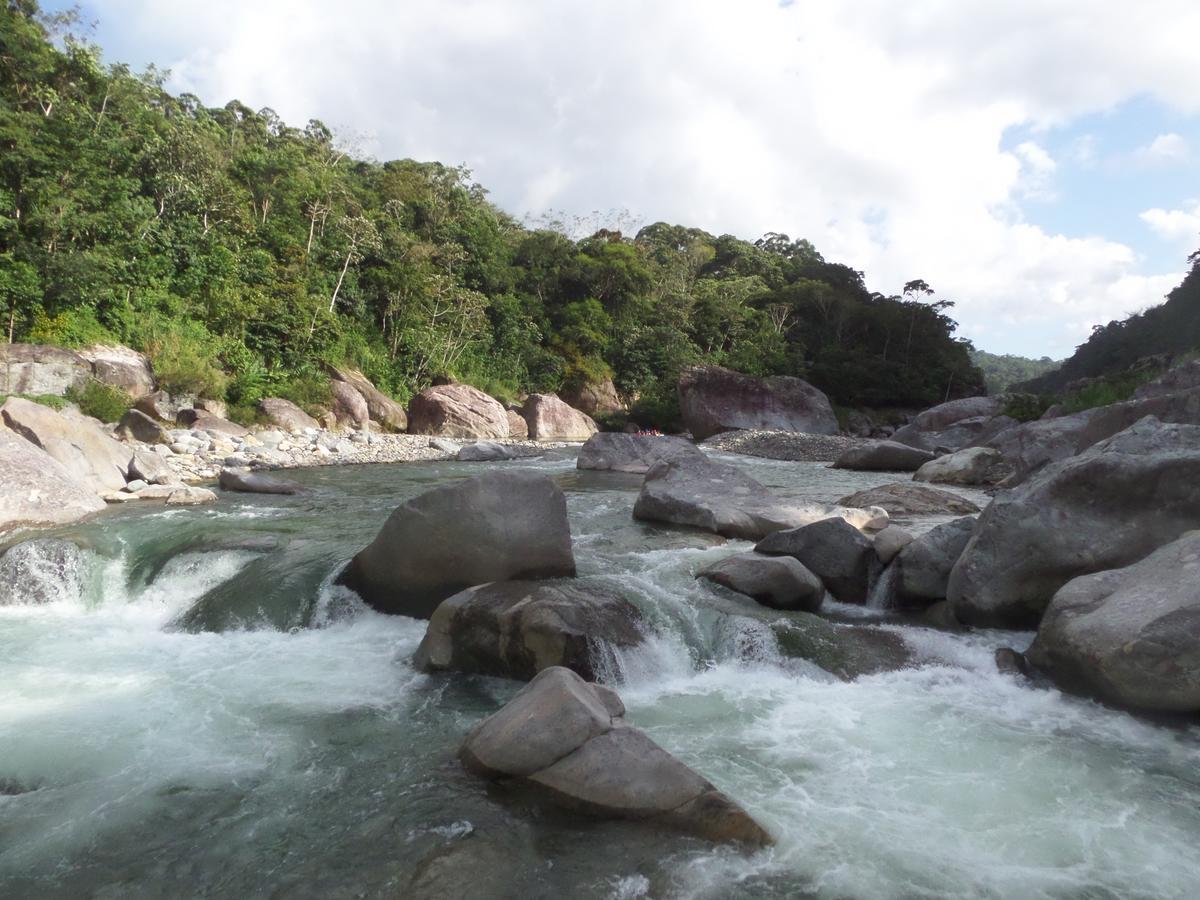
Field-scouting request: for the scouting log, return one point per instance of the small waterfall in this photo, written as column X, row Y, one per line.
column 883, row 592
column 40, row 571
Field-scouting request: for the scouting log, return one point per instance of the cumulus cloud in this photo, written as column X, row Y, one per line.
column 1164, row 149
column 874, row 128
column 1176, row 225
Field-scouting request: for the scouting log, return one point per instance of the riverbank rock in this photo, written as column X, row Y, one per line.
column 457, row 411
column 779, row 582
column 36, row 489
column 951, row 425
column 136, row 425
column 835, row 551
column 567, row 740
column 883, row 456
column 614, row 452
column 515, row 629
column 1129, row 636
column 122, row 368
column 970, row 466
column 725, row 500
column 549, row 419
column 713, row 399
column 518, row 428
column 382, row 409
column 201, row 420
column 1183, row 377
column 505, row 525
column 248, row 482
column 596, row 398
column 907, row 499
column 38, row 369
column 82, row 447
column 349, row 407
column 924, row 565
column 151, row 468
column 285, row 414
column 484, row 451
column 890, row 542
column 161, row 406
column 190, row 496
column 1106, row 508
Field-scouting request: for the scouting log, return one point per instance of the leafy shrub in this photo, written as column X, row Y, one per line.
column 99, row 400
column 185, row 355
column 1106, row 391
column 1025, row 407
column 51, row 400
column 77, row 327
column 659, row 408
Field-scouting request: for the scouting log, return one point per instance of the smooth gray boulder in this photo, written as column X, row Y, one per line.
column 904, row 498
column 37, row 490
column 484, row 451
column 1104, row 509
column 1129, row 636
column 723, row 499
column 38, row 369
column 951, row 425
column 566, row 740
column 846, row 651
column 285, row 414
column 835, row 551
column 457, row 411
column 349, row 406
column 969, row 466
column 617, row 452
column 150, row 468
column 547, row 418
column 926, row 563
column 122, row 368
column 883, row 456
column 779, row 582
column 501, row 526
column 514, row 629
column 137, row 425
column 890, row 542
column 713, row 399
column 382, row 409
column 91, row 456
column 248, row 482
column 202, row 420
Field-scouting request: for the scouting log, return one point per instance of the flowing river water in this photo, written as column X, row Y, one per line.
column 198, row 713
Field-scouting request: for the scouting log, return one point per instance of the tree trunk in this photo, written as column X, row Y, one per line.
column 337, row 287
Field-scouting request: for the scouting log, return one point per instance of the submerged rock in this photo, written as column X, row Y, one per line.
column 501, row 526
column 636, row 453
column 249, row 482
column 515, row 629
column 845, row 651
column 779, row 582
column 1129, row 636
column 725, row 500
column 713, row 399
column 907, row 499
column 36, row 490
column 567, row 741
column 835, row 551
column 484, row 451
column 883, row 456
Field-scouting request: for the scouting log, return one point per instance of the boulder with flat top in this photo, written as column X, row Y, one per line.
column 713, row 399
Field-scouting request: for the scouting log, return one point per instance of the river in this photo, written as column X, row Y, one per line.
column 294, row 752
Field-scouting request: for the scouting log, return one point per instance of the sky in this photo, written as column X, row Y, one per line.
column 1035, row 161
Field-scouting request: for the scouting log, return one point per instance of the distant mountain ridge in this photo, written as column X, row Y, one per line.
column 1002, row 371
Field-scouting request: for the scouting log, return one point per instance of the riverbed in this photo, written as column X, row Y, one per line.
column 200, row 712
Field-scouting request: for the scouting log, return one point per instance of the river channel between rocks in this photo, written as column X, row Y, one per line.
column 198, row 713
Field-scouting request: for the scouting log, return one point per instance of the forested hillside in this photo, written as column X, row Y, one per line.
column 1002, row 371
column 242, row 253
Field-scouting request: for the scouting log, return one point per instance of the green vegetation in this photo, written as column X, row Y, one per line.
column 51, row 400
column 1025, row 407
column 244, row 255
column 99, row 400
column 1000, row 372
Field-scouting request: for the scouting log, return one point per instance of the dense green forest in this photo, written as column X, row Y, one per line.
column 243, row 253
column 1002, row 371
column 1169, row 330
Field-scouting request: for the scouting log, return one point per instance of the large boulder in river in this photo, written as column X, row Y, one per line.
column 122, row 368
column 457, row 411
column 907, row 499
column 835, row 551
column 37, row 369
column 969, row 466
column 926, row 563
column 349, row 407
column 1129, row 636
column 285, row 414
column 91, row 456
column 713, row 399
column 502, row 526
column 381, row 408
column 1106, row 508
column 779, row 582
column 36, row 489
column 723, row 499
column 596, row 398
column 549, row 419
column 883, row 456
column 951, row 425
column 616, row 452
column 247, row 482
column 514, row 629
column 567, row 741
column 485, row 451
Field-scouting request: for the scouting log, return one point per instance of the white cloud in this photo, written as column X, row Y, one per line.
column 1176, row 225
column 1165, row 149
column 872, row 128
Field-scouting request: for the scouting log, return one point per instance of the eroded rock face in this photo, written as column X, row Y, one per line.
column 37, row 369
column 779, row 582
column 248, row 482
column 724, row 500
column 972, row 465
column 567, row 740
column 457, row 411
column 1129, row 636
column 549, row 419
column 122, row 368
column 90, row 456
column 349, row 407
column 36, row 489
column 285, row 414
column 713, row 399
column 1106, row 508
column 883, row 456
column 835, row 551
column 382, row 409
column 515, row 629
column 908, row 499
column 505, row 525
column 951, row 425
column 635, row 453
